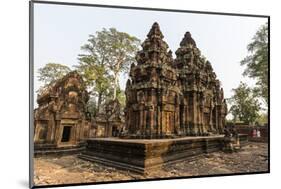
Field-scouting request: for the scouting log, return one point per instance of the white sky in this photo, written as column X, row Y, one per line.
column 60, row 31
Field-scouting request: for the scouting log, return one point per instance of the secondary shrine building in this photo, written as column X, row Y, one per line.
column 168, row 97
column 61, row 120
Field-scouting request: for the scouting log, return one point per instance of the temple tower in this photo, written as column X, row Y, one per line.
column 203, row 108
column 152, row 94
column 171, row 98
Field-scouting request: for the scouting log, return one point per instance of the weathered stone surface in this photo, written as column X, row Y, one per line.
column 70, row 169
column 144, row 155
column 203, row 107
column 231, row 139
column 166, row 101
column 61, row 119
column 175, row 111
column 167, row 98
column 151, row 93
column 109, row 122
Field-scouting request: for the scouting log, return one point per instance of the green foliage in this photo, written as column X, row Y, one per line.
column 111, row 49
column 107, row 54
column 120, row 95
column 92, row 106
column 51, row 72
column 263, row 119
column 95, row 77
column 257, row 62
column 120, row 49
column 244, row 105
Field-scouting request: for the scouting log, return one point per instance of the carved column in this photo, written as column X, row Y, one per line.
column 194, row 114
column 150, row 121
column 141, row 121
column 217, row 118
column 181, row 114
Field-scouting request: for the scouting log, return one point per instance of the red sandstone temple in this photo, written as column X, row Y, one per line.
column 165, row 98
column 169, row 100
column 168, row 97
column 61, row 119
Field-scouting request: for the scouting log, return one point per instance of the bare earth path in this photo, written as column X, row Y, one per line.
column 70, row 169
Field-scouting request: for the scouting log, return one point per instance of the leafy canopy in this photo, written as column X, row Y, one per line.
column 51, row 72
column 106, row 54
column 112, row 50
column 245, row 107
column 257, row 62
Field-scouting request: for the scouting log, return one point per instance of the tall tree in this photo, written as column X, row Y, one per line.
column 111, row 49
column 121, row 51
column 96, row 78
column 92, row 106
column 257, row 62
column 120, row 96
column 51, row 72
column 244, row 105
column 106, row 55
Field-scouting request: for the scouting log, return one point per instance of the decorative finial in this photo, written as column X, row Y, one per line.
column 187, row 40
column 155, row 31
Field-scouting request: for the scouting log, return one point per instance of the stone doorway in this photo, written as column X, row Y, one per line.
column 66, row 134
column 114, row 131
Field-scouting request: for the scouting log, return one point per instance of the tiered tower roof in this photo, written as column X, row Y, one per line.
column 154, row 48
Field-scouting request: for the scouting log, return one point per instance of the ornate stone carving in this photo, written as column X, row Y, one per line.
column 152, row 113
column 201, row 89
column 61, row 118
column 171, row 98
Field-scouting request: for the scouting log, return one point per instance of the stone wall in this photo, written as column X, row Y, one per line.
column 252, row 135
column 144, row 155
column 109, row 122
column 61, row 119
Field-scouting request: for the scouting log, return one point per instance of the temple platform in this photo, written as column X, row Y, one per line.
column 141, row 155
column 52, row 149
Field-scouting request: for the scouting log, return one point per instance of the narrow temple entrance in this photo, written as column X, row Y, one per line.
column 43, row 132
column 114, row 131
column 66, row 134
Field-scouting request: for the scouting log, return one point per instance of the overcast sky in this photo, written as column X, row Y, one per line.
column 60, row 31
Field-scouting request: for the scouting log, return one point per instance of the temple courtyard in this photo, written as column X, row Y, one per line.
column 71, row 169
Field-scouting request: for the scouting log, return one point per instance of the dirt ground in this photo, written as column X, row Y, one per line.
column 70, row 169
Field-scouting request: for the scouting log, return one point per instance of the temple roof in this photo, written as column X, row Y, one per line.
column 154, row 48
column 49, row 89
column 187, row 39
column 155, row 31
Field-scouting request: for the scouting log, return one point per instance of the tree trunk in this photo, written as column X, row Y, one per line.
column 99, row 102
column 116, row 72
column 115, row 86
